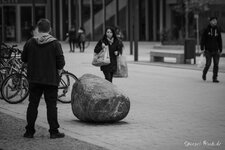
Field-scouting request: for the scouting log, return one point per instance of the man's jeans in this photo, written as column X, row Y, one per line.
column 50, row 95
column 216, row 57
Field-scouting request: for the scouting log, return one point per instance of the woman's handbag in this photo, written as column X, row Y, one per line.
column 201, row 62
column 122, row 70
column 102, row 58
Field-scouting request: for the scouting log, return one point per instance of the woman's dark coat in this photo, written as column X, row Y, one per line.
column 115, row 46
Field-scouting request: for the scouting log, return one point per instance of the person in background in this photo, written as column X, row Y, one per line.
column 81, row 39
column 120, row 37
column 119, row 33
column 44, row 58
column 211, row 45
column 109, row 39
column 72, row 38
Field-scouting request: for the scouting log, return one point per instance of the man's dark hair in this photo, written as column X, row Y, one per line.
column 44, row 25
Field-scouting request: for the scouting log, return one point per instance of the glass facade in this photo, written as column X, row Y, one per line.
column 39, row 12
column 74, row 13
column 26, row 22
column 9, row 20
column 16, row 19
column 98, row 21
column 157, row 18
column 86, row 19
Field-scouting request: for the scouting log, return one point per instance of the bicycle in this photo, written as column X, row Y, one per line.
column 64, row 89
column 15, row 87
column 10, row 61
column 9, row 54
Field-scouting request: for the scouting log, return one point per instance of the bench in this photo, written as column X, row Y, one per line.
column 158, row 55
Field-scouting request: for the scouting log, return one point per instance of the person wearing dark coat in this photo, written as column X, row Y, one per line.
column 44, row 58
column 115, row 48
column 72, row 38
column 211, row 45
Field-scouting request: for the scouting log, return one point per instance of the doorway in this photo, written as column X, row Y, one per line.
column 26, row 22
column 9, row 23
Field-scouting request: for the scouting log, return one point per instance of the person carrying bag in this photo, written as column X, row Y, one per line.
column 109, row 41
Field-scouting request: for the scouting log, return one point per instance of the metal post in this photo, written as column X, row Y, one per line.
column 136, row 29
column 147, row 20
column 186, row 18
column 117, row 13
column 61, row 20
column 33, row 14
column 104, row 15
column 92, row 19
column 197, row 30
column 69, row 15
column 131, row 25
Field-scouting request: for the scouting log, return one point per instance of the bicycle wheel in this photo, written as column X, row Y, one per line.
column 65, row 87
column 15, row 88
column 5, row 72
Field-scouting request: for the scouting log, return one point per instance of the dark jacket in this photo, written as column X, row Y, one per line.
column 44, row 57
column 115, row 46
column 72, row 35
column 211, row 40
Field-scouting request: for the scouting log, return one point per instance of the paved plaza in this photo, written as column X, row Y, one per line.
column 172, row 108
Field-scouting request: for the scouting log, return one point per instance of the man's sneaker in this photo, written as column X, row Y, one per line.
column 204, row 77
column 216, row 81
column 57, row 135
column 28, row 135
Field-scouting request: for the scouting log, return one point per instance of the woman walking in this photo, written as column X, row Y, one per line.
column 115, row 48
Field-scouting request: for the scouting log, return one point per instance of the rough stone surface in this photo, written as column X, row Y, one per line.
column 94, row 99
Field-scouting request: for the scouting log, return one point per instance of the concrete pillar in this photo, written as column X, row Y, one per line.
column 117, row 13
column 136, row 29
column 104, row 15
column 54, row 17
column 154, row 20
column 147, row 20
column 127, row 20
column 161, row 16
column 131, row 26
column 91, row 20
column 69, row 14
column 33, row 12
column 80, row 13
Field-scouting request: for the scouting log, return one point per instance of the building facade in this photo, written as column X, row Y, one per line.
column 157, row 19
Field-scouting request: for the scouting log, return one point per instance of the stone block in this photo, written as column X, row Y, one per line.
column 94, row 99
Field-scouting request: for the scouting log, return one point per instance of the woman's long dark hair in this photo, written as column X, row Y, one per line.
column 113, row 31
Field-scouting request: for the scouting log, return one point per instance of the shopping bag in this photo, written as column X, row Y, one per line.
column 102, row 58
column 122, row 70
column 202, row 61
